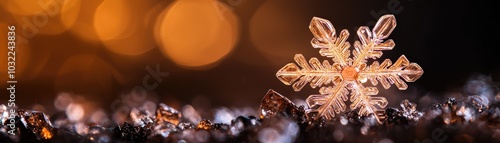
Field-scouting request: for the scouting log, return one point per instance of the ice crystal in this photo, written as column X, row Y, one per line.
column 348, row 73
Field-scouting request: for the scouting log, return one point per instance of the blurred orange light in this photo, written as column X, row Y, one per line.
column 112, row 19
column 24, row 7
column 123, row 26
column 84, row 27
column 49, row 17
column 46, row 134
column 69, row 12
column 196, row 34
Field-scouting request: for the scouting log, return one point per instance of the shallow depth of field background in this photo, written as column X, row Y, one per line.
column 225, row 53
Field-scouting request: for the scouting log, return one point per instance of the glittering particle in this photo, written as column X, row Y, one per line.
column 134, row 133
column 46, row 134
column 370, row 120
column 275, row 105
column 343, row 120
column 410, row 111
column 37, row 122
column 450, row 103
column 478, row 102
column 4, row 114
column 165, row 113
column 204, row 124
column 458, row 115
column 394, row 116
column 185, row 126
column 164, row 129
column 141, row 117
column 221, row 127
column 96, row 133
column 236, row 127
column 407, row 105
column 349, row 72
column 353, row 117
column 466, row 113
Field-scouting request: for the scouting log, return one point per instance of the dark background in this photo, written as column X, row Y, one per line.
column 450, row 40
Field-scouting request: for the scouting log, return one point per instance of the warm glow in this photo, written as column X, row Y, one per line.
column 69, row 12
column 125, row 27
column 197, row 33
column 20, row 7
column 84, row 28
column 350, row 73
column 46, row 134
column 112, row 19
column 49, row 17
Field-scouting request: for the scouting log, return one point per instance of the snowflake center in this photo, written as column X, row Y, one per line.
column 350, row 73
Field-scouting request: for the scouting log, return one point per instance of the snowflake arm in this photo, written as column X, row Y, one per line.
column 316, row 73
column 326, row 39
column 371, row 43
column 329, row 102
column 362, row 99
column 387, row 74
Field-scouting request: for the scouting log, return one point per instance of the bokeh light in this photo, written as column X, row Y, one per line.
column 112, row 19
column 25, row 8
column 75, row 112
column 197, row 34
column 99, row 117
column 69, row 12
column 62, row 101
column 49, row 17
column 125, row 27
column 84, row 28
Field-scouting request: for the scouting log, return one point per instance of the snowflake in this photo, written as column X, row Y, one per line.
column 349, row 73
